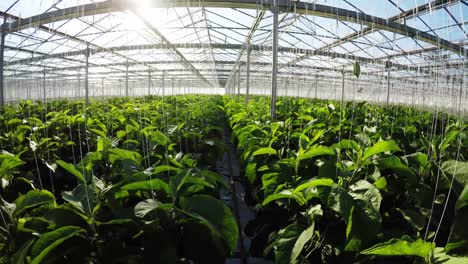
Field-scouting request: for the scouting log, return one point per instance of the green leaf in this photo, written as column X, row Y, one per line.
column 8, row 164
column 20, row 255
column 71, row 169
column 32, row 199
column 315, row 152
column 380, row 147
column 146, row 206
column 394, row 163
column 415, row 219
column 313, row 183
column 441, row 257
column 165, row 168
column 305, row 237
column 463, row 199
column 214, row 178
column 270, row 182
column 154, row 184
column 123, row 154
column 83, row 197
column 100, row 133
column 357, row 69
column 340, row 201
column 364, row 222
column 284, row 243
column 264, row 151
column 215, row 214
column 347, row 144
column 381, row 183
column 459, row 170
column 49, row 241
column 251, row 171
column 285, row 194
column 401, row 247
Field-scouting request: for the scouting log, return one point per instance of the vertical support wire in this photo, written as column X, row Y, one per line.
column 274, row 73
column 86, row 75
column 388, row 83
column 44, row 92
column 149, row 80
column 2, row 53
column 247, row 77
column 126, row 78
column 239, row 79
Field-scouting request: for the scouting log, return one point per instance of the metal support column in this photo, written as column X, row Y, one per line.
column 247, row 77
column 342, row 87
column 149, row 81
column 78, row 88
column 2, row 53
column 172, row 86
column 239, row 79
column 44, row 93
column 388, row 83
column 86, row 75
column 316, row 86
column 163, row 84
column 460, row 96
column 274, row 73
column 126, row 78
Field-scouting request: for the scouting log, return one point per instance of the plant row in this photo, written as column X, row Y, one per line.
column 119, row 181
column 353, row 182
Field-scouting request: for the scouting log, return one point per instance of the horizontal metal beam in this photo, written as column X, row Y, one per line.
column 309, row 52
column 419, row 10
column 57, row 33
column 285, row 5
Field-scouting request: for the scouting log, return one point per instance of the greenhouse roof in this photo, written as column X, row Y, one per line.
column 208, row 40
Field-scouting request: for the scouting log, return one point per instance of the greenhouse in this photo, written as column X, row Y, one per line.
column 233, row 131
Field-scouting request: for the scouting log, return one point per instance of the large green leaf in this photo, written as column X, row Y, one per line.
column 145, row 207
column 8, row 164
column 441, row 257
column 380, row 147
column 414, row 218
column 347, row 144
column 315, row 152
column 313, row 183
column 264, row 151
column 284, row 243
column 463, row 199
column 151, row 185
column 214, row 178
column 340, row 201
column 305, row 237
column 270, row 182
column 394, row 164
column 284, row 194
column 71, row 169
column 401, row 247
column 456, row 169
column 32, row 199
column 49, row 241
column 251, row 171
column 357, row 69
column 364, row 222
column 83, row 197
column 20, row 255
column 123, row 154
column 215, row 214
